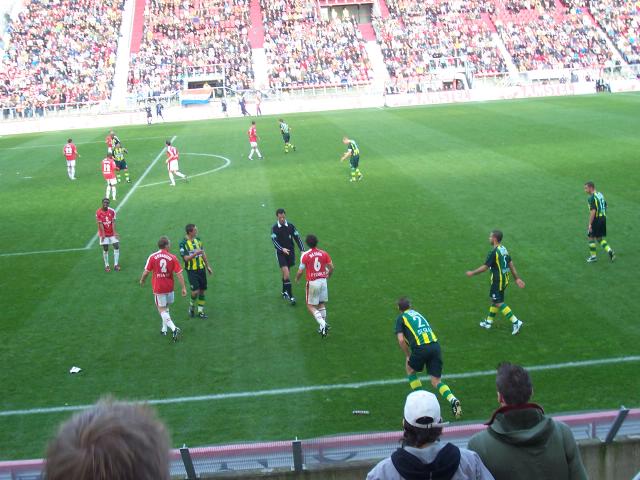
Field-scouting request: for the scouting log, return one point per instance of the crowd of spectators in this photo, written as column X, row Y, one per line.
column 304, row 50
column 549, row 39
column 420, row 36
column 185, row 36
column 59, row 52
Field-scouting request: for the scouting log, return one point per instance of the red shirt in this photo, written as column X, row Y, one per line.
column 108, row 168
column 162, row 265
column 315, row 263
column 108, row 219
column 253, row 135
column 172, row 153
column 70, row 151
column 109, row 140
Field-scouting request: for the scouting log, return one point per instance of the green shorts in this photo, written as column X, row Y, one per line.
column 197, row 279
column 428, row 355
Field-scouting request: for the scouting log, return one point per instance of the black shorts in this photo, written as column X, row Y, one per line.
column 286, row 137
column 428, row 355
column 197, row 279
column 355, row 161
column 121, row 164
column 495, row 294
column 286, row 260
column 599, row 227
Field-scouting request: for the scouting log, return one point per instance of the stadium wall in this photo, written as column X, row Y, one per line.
column 342, row 99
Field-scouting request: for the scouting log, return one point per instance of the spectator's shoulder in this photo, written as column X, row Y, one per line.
column 384, row 470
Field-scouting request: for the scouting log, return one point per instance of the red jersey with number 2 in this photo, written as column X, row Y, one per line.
column 315, row 263
column 106, row 218
column 70, row 151
column 162, row 266
column 253, row 134
column 108, row 168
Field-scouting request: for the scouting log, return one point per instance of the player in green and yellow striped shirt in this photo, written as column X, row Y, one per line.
column 353, row 152
column 285, row 130
column 501, row 266
column 597, row 228
column 421, row 348
column 197, row 265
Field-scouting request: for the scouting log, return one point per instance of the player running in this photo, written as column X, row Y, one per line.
column 253, row 141
column 283, row 234
column 319, row 268
column 121, row 163
column 286, row 136
column 501, row 265
column 106, row 219
column 197, row 266
column 597, row 228
column 163, row 264
column 172, row 163
column 421, row 349
column 109, row 174
column 354, row 153
column 71, row 154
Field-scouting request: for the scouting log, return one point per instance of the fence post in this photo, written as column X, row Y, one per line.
column 613, row 431
column 188, row 463
column 296, row 447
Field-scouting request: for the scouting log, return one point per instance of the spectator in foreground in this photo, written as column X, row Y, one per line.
column 422, row 455
column 521, row 441
column 111, row 440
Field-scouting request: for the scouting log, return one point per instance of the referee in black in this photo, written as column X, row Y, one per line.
column 283, row 234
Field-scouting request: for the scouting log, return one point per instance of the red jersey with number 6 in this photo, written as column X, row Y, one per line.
column 315, row 263
column 108, row 168
column 106, row 218
column 162, row 266
column 70, row 151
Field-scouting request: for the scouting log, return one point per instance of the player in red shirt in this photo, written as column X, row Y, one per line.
column 163, row 264
column 108, row 166
column 71, row 153
column 253, row 141
column 109, row 141
column 172, row 163
column 319, row 268
column 106, row 218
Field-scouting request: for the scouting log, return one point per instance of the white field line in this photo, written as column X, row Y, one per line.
column 227, row 162
column 318, row 388
column 37, row 252
column 131, row 191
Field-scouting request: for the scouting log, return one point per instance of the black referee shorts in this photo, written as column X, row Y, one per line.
column 286, row 260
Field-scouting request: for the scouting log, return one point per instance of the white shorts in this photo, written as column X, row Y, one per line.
column 173, row 166
column 163, row 299
column 71, row 163
column 253, row 144
column 109, row 150
column 109, row 240
column 317, row 291
column 112, row 182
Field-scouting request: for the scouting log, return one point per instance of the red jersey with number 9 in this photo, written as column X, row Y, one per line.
column 315, row 263
column 162, row 266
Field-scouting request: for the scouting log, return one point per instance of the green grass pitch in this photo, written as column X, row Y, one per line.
column 436, row 181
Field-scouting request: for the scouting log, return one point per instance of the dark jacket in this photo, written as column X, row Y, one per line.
column 523, row 443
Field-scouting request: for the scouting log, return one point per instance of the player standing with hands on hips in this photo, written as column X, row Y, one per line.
column 283, row 234
column 163, row 264
column 197, row 265
column 319, row 267
column 106, row 219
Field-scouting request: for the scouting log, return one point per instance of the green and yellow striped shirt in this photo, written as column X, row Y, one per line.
column 416, row 328
column 598, row 203
column 187, row 247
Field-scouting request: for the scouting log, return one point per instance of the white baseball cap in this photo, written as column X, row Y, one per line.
column 422, row 404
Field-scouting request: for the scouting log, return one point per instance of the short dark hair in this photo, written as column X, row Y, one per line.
column 514, row 384
column 280, row 211
column 163, row 242
column 110, row 440
column 107, row 199
column 189, row 228
column 497, row 234
column 253, row 122
column 69, row 140
column 404, row 303
column 590, row 184
column 280, row 120
column 417, row 437
column 168, row 142
column 311, row 240
column 109, row 154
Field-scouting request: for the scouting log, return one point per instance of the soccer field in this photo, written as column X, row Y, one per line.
column 436, row 181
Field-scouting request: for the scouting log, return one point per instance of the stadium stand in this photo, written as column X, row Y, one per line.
column 60, row 52
column 303, row 50
column 547, row 35
column 181, row 35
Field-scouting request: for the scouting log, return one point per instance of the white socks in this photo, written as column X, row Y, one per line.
column 167, row 322
column 254, row 150
column 71, row 171
column 318, row 316
column 322, row 310
column 105, row 256
column 116, row 257
column 111, row 189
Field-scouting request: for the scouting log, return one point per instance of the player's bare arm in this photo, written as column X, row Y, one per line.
column 345, row 156
column 519, row 281
column 330, row 269
column 402, row 343
column 299, row 274
column 481, row 269
column 182, row 285
column 592, row 215
column 206, row 262
column 144, row 276
column 100, row 230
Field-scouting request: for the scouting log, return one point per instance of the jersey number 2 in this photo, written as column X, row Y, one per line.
column 163, row 265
